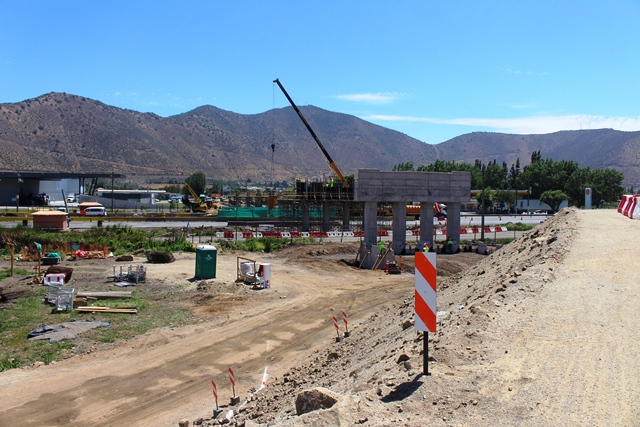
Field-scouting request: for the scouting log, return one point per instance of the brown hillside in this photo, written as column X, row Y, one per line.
column 61, row 132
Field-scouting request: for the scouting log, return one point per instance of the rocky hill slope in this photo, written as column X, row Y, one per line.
column 62, row 132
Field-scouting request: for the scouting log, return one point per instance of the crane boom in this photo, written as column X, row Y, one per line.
column 313, row 134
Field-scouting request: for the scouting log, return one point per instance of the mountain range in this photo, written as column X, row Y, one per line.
column 59, row 132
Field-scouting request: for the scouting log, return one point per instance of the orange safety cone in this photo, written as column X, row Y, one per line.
column 386, row 267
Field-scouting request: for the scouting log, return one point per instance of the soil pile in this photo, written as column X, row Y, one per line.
column 377, row 372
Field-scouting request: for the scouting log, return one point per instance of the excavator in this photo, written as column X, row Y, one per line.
column 195, row 203
column 315, row 137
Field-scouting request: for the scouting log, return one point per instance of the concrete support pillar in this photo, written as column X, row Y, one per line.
column 326, row 216
column 305, row 216
column 346, row 216
column 453, row 224
column 370, row 223
column 399, row 227
column 426, row 225
column 369, row 248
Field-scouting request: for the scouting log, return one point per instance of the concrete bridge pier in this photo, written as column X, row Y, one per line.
column 399, row 227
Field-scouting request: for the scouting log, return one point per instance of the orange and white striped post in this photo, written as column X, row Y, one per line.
column 215, row 392
column 345, row 319
column 425, row 299
column 234, row 399
column 337, row 326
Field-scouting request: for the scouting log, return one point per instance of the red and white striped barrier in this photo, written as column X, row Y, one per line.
column 425, row 299
column 627, row 209
column 425, row 294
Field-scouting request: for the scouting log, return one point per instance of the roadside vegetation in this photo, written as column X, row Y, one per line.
column 29, row 313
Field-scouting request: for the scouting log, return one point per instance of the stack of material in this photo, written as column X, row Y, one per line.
column 105, row 309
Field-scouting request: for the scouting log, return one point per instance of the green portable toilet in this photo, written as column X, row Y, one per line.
column 206, row 261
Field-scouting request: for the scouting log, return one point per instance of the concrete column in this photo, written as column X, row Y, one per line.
column 399, row 227
column 326, row 216
column 370, row 223
column 346, row 216
column 426, row 224
column 453, row 223
column 305, row 216
column 369, row 248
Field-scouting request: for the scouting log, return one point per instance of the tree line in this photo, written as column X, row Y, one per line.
column 546, row 179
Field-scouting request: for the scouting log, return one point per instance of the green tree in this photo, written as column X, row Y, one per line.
column 173, row 188
column 403, row 166
column 536, row 156
column 553, row 198
column 575, row 185
column 198, row 182
column 501, row 197
column 216, row 187
column 488, row 198
column 606, row 185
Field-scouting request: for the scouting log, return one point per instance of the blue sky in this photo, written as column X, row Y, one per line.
column 430, row 69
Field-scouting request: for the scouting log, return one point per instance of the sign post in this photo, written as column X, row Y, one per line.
column 337, row 326
column 425, row 299
column 345, row 319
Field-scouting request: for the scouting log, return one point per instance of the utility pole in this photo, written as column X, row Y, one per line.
column 273, row 150
column 19, row 180
column 112, row 192
column 482, row 213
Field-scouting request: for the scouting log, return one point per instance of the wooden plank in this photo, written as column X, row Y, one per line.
column 106, row 294
column 106, row 310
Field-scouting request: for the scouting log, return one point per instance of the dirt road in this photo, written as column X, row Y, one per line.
column 574, row 360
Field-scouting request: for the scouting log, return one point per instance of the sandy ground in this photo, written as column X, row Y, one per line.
column 542, row 332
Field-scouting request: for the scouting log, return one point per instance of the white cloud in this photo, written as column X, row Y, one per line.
column 527, row 125
column 371, row 98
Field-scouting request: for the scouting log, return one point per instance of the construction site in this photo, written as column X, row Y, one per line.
column 539, row 331
column 542, row 331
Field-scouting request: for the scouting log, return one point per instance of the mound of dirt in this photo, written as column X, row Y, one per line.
column 381, row 362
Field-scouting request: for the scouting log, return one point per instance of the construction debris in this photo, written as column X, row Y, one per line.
column 105, row 295
column 6, row 296
column 135, row 274
column 105, row 309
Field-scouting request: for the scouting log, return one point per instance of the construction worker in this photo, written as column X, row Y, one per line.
column 449, row 245
column 381, row 246
column 425, row 247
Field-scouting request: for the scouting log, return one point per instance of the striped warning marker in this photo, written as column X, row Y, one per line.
column 345, row 319
column 425, row 319
column 337, row 326
column 231, row 377
column 215, row 390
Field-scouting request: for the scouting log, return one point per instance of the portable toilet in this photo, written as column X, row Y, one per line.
column 206, row 257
